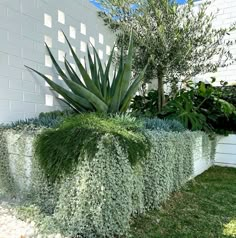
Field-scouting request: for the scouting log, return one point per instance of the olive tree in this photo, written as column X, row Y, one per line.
column 181, row 39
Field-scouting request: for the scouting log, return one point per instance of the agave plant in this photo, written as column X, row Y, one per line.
column 97, row 91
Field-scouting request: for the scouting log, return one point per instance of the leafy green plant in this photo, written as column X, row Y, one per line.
column 128, row 121
column 97, row 93
column 229, row 94
column 182, row 108
column 145, row 105
column 59, row 150
column 219, row 108
column 200, row 107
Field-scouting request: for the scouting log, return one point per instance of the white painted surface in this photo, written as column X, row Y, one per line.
column 201, row 165
column 226, row 151
column 24, row 26
column 20, row 152
column 203, row 159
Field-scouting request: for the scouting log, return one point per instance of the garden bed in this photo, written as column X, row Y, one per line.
column 100, row 195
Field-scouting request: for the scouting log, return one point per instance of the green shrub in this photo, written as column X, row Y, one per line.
column 223, row 124
column 229, row 94
column 145, row 105
column 59, row 150
column 198, row 107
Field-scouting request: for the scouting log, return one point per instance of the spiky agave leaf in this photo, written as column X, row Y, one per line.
column 73, row 99
column 87, row 80
column 132, row 90
column 93, row 69
column 95, row 92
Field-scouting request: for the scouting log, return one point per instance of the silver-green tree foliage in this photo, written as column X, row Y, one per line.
column 95, row 91
column 181, row 39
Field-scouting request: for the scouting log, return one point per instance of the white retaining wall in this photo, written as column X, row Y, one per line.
column 202, row 158
column 20, row 152
column 24, row 27
column 226, row 151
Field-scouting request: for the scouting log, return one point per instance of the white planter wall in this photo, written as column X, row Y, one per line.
column 20, row 158
column 202, row 158
column 24, row 27
column 226, row 151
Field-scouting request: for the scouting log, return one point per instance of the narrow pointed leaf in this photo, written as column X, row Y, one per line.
column 73, row 75
column 119, row 72
column 116, row 98
column 93, row 69
column 58, row 68
column 132, row 90
column 101, row 72
column 87, row 80
column 127, row 70
column 72, row 107
column 75, row 100
column 107, row 71
column 123, row 80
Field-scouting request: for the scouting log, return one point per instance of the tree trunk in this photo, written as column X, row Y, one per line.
column 161, row 96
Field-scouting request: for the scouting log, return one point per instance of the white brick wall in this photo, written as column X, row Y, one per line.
column 23, row 33
column 225, row 17
column 22, row 36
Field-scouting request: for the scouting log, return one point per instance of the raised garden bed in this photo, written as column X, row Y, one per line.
column 100, row 195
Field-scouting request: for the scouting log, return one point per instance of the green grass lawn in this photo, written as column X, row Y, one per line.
column 206, row 207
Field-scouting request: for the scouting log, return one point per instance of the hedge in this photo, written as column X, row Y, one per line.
column 100, row 196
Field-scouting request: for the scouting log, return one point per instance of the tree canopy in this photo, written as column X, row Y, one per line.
column 181, row 39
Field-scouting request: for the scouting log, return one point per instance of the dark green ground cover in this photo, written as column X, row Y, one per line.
column 205, row 208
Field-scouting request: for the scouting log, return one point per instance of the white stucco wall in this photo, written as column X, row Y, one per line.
column 24, row 26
